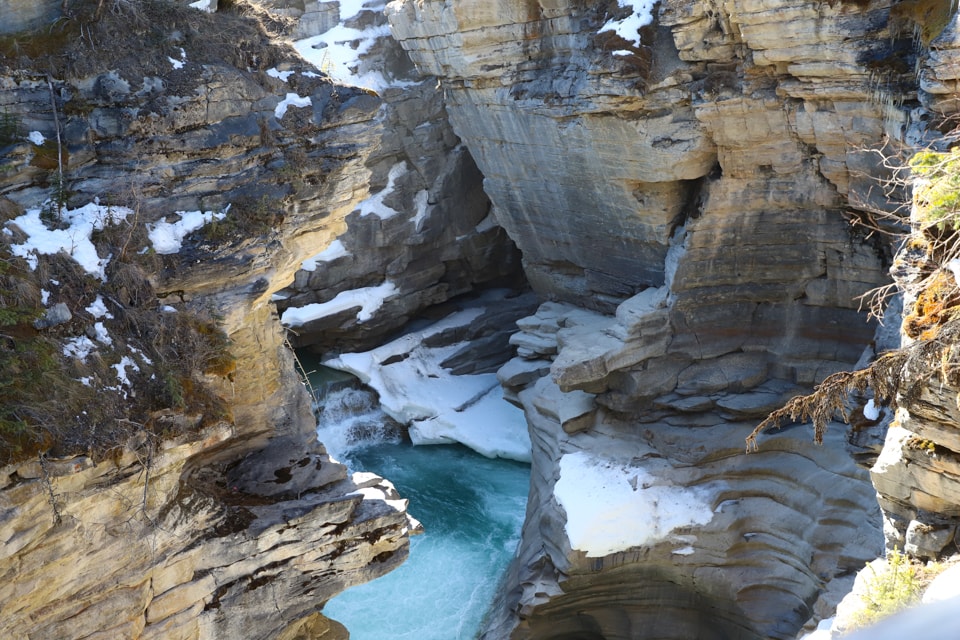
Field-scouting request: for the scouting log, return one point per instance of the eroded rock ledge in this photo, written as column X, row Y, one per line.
column 168, row 544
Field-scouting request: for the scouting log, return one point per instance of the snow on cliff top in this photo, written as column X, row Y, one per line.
column 334, row 251
column 74, row 239
column 337, row 52
column 367, row 299
column 628, row 28
column 167, row 237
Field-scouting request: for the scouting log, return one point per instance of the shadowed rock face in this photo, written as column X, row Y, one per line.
column 917, row 475
column 24, row 15
column 684, row 205
column 426, row 228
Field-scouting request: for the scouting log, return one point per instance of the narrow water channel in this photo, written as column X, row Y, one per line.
column 471, row 508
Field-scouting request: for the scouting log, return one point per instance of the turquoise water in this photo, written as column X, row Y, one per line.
column 471, row 508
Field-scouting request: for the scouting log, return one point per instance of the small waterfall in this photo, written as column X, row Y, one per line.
column 348, row 413
column 350, row 417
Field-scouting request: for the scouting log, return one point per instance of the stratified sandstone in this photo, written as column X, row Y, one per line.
column 917, row 475
column 169, row 543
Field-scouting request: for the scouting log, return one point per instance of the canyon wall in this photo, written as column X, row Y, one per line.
column 247, row 526
column 684, row 197
column 918, row 471
column 244, row 526
column 425, row 231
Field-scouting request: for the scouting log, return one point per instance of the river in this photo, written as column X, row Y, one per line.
column 471, row 508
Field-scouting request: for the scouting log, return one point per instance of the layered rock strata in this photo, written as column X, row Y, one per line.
column 426, row 230
column 246, row 527
column 169, row 542
column 729, row 545
column 684, row 198
column 917, row 475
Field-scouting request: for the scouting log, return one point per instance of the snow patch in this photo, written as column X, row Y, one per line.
column 440, row 407
column 628, row 28
column 103, row 336
column 369, row 299
column 79, row 347
column 178, row 64
column 871, row 411
column 338, row 51
column 420, row 203
column 146, row 360
column 282, row 75
column 203, row 5
column 74, row 240
column 98, row 309
column 331, row 253
column 44, row 297
column 292, row 100
column 36, row 138
column 121, row 369
column 612, row 507
column 167, row 237
column 376, row 493
column 374, row 204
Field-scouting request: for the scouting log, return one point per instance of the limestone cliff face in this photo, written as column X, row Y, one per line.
column 426, row 228
column 246, row 527
column 683, row 201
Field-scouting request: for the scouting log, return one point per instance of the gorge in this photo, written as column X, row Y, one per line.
column 660, row 220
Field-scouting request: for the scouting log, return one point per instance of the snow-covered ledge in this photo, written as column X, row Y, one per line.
column 437, row 406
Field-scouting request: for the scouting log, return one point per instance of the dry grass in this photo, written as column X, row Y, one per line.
column 94, row 36
column 63, row 405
